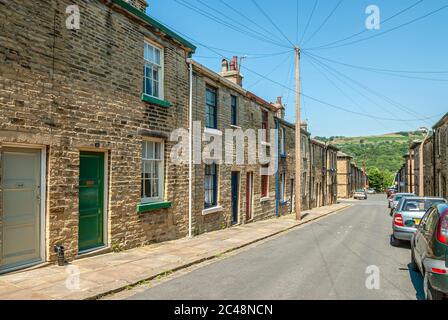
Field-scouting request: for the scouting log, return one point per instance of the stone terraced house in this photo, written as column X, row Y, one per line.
column 440, row 158
column 86, row 122
column 84, row 126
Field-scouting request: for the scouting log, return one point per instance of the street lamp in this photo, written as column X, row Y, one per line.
column 420, row 183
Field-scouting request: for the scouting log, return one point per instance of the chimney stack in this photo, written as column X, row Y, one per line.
column 304, row 125
column 232, row 72
column 279, row 109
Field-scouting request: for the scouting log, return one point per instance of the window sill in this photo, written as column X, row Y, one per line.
column 212, row 210
column 265, row 143
column 153, row 100
column 212, row 131
column 145, row 207
column 234, row 126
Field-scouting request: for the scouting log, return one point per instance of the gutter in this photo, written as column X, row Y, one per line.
column 190, row 149
column 277, row 189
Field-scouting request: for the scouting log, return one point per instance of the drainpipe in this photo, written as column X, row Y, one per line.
column 190, row 148
column 276, row 172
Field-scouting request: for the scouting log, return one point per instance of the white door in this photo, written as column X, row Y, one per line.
column 20, row 214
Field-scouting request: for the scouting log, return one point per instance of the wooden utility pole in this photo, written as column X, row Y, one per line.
column 298, row 198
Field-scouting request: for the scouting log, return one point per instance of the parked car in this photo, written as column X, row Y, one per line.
column 360, row 194
column 396, row 198
column 429, row 252
column 390, row 191
column 390, row 200
column 408, row 214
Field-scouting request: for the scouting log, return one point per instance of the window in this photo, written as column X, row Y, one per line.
column 210, row 108
column 282, row 141
column 210, row 186
column 264, row 186
column 152, row 171
column 264, row 125
column 153, row 71
column 282, row 187
column 233, row 110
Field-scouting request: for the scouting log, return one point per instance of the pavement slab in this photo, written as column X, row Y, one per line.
column 96, row 276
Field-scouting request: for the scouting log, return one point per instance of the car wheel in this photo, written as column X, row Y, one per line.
column 430, row 293
column 394, row 241
column 414, row 266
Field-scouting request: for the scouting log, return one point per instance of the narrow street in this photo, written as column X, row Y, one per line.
column 326, row 259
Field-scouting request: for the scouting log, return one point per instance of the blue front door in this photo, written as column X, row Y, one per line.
column 235, row 196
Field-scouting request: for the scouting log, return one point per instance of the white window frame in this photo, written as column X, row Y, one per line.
column 161, row 173
column 282, row 187
column 282, row 141
column 153, row 64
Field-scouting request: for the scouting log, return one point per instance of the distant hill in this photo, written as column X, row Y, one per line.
column 384, row 152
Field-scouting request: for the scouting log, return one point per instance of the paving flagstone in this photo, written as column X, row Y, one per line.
column 92, row 277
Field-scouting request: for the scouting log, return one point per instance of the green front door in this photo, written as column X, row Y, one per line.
column 91, row 198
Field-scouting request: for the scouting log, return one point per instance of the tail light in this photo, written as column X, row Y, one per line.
column 442, row 228
column 398, row 220
column 438, row 271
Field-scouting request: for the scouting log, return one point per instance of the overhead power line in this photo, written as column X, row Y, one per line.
column 341, row 108
column 373, row 92
column 324, row 22
column 309, row 20
column 272, row 22
column 373, row 69
column 343, row 92
column 388, row 31
column 228, row 24
column 366, row 30
column 245, row 17
column 270, row 72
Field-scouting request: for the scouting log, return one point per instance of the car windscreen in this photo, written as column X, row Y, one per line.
column 420, row 204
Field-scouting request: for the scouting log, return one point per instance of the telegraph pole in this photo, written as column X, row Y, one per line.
column 298, row 140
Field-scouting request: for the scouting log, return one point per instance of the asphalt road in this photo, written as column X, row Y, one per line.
column 327, row 259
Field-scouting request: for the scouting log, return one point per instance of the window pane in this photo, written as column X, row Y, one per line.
column 156, row 89
column 157, row 56
column 148, row 189
column 157, row 146
column 155, row 188
column 148, row 86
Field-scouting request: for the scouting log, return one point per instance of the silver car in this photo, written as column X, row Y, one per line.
column 408, row 214
column 397, row 197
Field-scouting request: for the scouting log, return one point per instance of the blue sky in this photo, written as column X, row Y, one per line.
column 420, row 46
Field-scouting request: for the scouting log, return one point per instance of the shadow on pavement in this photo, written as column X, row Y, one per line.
column 417, row 282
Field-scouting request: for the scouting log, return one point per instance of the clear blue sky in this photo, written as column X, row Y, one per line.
column 420, row 46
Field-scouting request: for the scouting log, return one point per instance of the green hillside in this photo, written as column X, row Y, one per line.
column 384, row 152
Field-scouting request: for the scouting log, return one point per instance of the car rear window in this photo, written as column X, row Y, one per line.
column 420, row 204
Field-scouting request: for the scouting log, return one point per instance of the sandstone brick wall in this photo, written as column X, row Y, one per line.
column 428, row 168
column 78, row 90
column 249, row 117
column 441, row 157
column 343, row 177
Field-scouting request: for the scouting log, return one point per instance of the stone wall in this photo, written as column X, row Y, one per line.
column 441, row 157
column 74, row 90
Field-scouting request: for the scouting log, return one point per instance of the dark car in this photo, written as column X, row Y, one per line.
column 429, row 252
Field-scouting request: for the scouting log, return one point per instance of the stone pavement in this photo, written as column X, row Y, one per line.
column 93, row 277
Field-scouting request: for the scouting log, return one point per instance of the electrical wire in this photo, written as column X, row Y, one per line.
column 373, row 69
column 309, row 20
column 227, row 24
column 366, row 30
column 388, row 31
column 272, row 22
column 337, row 107
column 227, row 17
column 371, row 91
column 248, row 19
column 269, row 73
column 323, row 23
